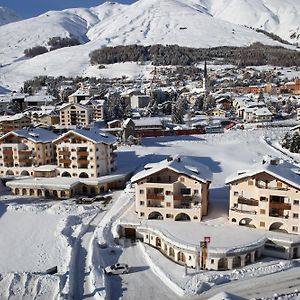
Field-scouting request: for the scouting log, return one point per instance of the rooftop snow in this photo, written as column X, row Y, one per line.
column 181, row 165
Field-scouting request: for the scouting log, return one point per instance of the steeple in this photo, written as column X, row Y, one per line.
column 205, row 79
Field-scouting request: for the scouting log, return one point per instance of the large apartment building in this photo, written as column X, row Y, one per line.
column 22, row 151
column 74, row 114
column 15, row 122
column 266, row 197
column 174, row 189
column 85, row 153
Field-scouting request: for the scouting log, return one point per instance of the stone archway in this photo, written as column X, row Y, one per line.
column 83, row 175
column 25, row 173
column 155, row 215
column 66, row 174
column 246, row 222
column 277, row 226
column 248, row 259
column 31, row 192
column 171, row 252
column 10, row 173
column 182, row 217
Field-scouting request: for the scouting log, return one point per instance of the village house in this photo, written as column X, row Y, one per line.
column 174, row 189
column 14, row 122
column 217, row 112
column 21, row 151
column 97, row 107
column 139, row 101
column 266, row 197
column 80, row 95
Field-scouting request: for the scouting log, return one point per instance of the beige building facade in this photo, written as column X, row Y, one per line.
column 170, row 190
column 15, row 122
column 267, row 198
column 74, row 114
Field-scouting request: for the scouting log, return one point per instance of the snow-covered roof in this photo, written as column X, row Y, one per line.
column 264, row 111
column 12, row 118
column 46, row 168
column 282, row 171
column 92, row 134
column 151, row 121
column 37, row 135
column 39, row 98
column 65, row 105
column 80, row 92
column 181, row 165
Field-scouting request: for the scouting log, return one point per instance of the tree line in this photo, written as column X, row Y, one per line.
column 254, row 55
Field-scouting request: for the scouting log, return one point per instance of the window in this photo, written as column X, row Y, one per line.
column 279, row 184
column 295, row 216
column 250, row 182
column 296, row 202
column 142, row 191
column 142, row 214
column 169, row 216
column 182, row 179
column 235, row 193
column 168, row 204
column 196, row 192
column 195, row 218
column 262, row 224
column 212, row 261
column 262, row 211
column 263, row 199
column 295, row 228
column 168, row 193
column 185, row 191
column 142, row 203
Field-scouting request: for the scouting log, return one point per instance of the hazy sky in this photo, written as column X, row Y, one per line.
column 30, row 8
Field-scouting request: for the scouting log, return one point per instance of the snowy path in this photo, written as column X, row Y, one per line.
column 140, row 282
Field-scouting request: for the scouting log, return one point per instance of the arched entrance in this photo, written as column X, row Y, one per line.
column 155, row 215
column 158, row 242
column 223, row 263
column 182, row 217
column 55, row 194
column 277, row 226
column 171, row 252
column 17, row 192
column 236, row 262
column 25, row 173
column 181, row 257
column 10, row 173
column 24, row 192
column 246, row 222
column 39, row 193
column 47, row 194
column 248, row 259
column 31, row 192
column 65, row 174
column 83, row 175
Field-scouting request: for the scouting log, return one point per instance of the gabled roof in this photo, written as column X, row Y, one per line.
column 94, row 135
column 283, row 171
column 13, row 117
column 65, row 105
column 181, row 165
column 37, row 135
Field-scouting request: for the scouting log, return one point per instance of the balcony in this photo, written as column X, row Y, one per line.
column 25, row 160
column 25, row 152
column 8, row 159
column 268, row 187
column 247, row 201
column 83, row 153
column 83, row 161
column 65, row 153
column 7, row 152
column 155, row 197
column 64, row 161
column 243, row 211
column 280, row 206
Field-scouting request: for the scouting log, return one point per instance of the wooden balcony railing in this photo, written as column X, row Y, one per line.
column 155, row 197
column 65, row 161
column 67, row 153
column 281, row 206
column 7, row 152
column 182, row 198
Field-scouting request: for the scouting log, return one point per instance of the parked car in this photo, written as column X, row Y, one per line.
column 117, row 269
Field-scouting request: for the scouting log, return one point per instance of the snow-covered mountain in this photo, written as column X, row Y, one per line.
column 192, row 23
column 8, row 16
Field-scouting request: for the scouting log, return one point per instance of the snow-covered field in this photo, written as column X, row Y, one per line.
column 36, row 234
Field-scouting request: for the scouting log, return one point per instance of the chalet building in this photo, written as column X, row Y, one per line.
column 266, row 197
column 291, row 87
column 80, row 95
column 174, row 189
column 97, row 107
column 85, row 153
column 15, row 122
column 22, row 151
column 74, row 114
column 217, row 112
column 39, row 100
column 257, row 114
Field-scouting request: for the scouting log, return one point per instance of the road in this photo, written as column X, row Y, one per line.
column 140, row 283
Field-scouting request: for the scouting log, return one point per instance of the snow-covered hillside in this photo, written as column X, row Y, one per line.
column 8, row 16
column 192, row 23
